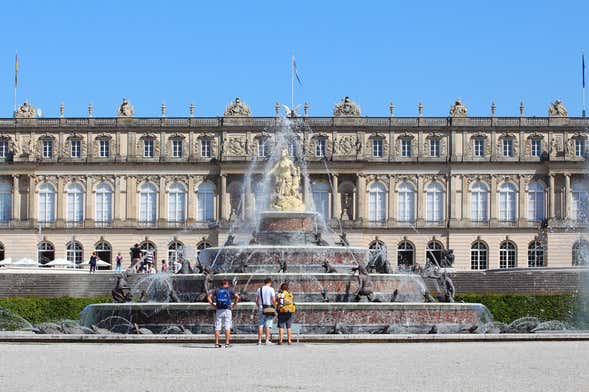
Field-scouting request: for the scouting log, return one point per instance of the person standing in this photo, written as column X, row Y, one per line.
column 165, row 266
column 119, row 261
column 286, row 309
column 135, row 257
column 221, row 300
column 266, row 303
column 92, row 262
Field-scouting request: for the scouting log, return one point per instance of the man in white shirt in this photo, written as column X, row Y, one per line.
column 265, row 299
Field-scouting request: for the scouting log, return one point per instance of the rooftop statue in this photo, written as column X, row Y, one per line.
column 125, row 109
column 557, row 109
column 237, row 109
column 458, row 109
column 287, row 180
column 26, row 110
column 346, row 108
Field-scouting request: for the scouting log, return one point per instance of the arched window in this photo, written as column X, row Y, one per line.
column 45, row 252
column 507, row 255
column 75, row 203
column 177, row 203
column 479, row 200
column 206, row 202
column 149, row 250
column 321, row 198
column 435, row 202
column 103, row 203
column 536, row 202
column 580, row 202
column 104, row 252
column 377, row 247
column 203, row 245
column 406, row 202
column 535, row 254
column 479, row 254
column 405, row 254
column 433, row 252
column 376, row 202
column 175, row 251
column 581, row 253
column 5, row 201
column 2, row 252
column 507, row 202
column 46, row 211
column 147, row 203
column 74, row 252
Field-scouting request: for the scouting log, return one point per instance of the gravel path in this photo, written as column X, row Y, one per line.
column 512, row 366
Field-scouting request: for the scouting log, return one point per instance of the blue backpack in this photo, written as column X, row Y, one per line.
column 223, row 298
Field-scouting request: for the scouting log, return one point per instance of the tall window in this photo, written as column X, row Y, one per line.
column 103, row 148
column 507, row 202
column 46, row 211
column 507, row 147
column 74, row 203
column 75, row 148
column 147, row 203
column 74, row 252
column 205, row 148
column 376, row 202
column 103, row 203
column 3, row 148
column 579, row 147
column 321, row 198
column 580, row 202
column 433, row 252
column 104, row 252
column 177, row 148
column 507, row 255
column 406, row 202
column 45, row 252
column 292, row 149
column 320, row 147
column 206, row 202
column 479, row 196
column 536, row 254
column 536, row 147
column 478, row 256
column 536, row 202
column 148, row 148
column 177, row 203
column 5, row 201
column 581, row 253
column 47, row 151
column 263, row 148
column 405, row 254
column 377, row 148
column 479, row 147
column 406, row 148
column 434, row 148
column 434, row 202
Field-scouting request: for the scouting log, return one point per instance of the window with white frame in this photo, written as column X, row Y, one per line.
column 406, row 148
column 536, row 254
column 580, row 200
column 479, row 147
column 175, row 251
column 536, row 147
column 47, row 150
column 507, row 147
column 177, row 148
column 536, row 202
column 5, row 201
column 74, row 203
column 434, row 202
column 377, row 147
column 507, row 255
column 74, row 252
column 579, row 147
column 292, row 149
column 148, row 148
column 376, row 202
column 177, row 203
column 45, row 252
column 103, row 203
column 434, row 148
column 3, row 148
column 320, row 192
column 405, row 254
column 479, row 256
column 103, row 148
column 205, row 148
column 75, row 148
column 405, row 202
column 479, row 196
column 206, row 202
column 320, row 147
column 507, row 196
column 147, row 203
column 46, row 207
column 263, row 148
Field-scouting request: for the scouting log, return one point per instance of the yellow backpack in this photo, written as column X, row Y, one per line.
column 286, row 302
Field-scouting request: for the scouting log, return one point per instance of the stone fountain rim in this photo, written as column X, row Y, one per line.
column 287, row 214
column 301, row 247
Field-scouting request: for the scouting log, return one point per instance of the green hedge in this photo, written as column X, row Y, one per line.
column 37, row 310
column 570, row 308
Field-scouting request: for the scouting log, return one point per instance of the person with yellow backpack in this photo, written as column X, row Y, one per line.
column 286, row 309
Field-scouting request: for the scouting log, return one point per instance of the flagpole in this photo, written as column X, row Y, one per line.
column 583, row 75
column 292, row 76
column 15, row 79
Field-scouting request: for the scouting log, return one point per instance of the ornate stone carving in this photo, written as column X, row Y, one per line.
column 236, row 146
column 557, row 109
column 556, row 145
column 528, row 144
column 346, row 108
column 96, row 144
column 477, row 177
column 347, row 145
column 458, row 109
column 237, row 108
column 398, row 141
column 25, row 110
column 67, row 146
column 570, row 146
column 125, row 109
column 287, row 178
column 515, row 145
column 140, row 144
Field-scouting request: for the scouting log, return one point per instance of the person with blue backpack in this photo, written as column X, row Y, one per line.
column 223, row 297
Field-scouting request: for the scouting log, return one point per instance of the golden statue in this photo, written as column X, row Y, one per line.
column 287, row 180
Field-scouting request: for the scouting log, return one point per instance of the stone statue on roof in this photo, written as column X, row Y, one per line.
column 126, row 109
column 26, row 110
column 458, row 109
column 557, row 109
column 237, row 108
column 346, row 108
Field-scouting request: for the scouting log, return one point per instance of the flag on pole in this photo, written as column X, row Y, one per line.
column 294, row 69
column 16, row 71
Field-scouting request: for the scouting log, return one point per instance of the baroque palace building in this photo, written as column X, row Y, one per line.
column 502, row 192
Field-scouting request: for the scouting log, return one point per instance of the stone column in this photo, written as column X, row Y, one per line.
column 551, row 200
column 493, row 201
column 360, row 197
column 131, row 200
column 452, row 190
column 249, row 201
column 32, row 207
column 191, row 201
column 163, row 149
column 191, row 152
column 118, row 145
column 224, row 202
column 16, row 197
column 162, row 202
column 465, row 202
column 89, row 145
column 391, row 200
column 117, row 196
column 522, row 194
column 420, row 202
column 89, row 213
column 131, row 150
column 567, row 197
column 336, row 200
column 60, row 199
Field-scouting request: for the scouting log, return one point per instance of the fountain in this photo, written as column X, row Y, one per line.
column 333, row 287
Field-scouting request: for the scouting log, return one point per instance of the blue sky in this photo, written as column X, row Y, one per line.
column 376, row 52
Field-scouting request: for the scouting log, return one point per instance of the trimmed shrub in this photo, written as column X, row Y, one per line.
column 38, row 310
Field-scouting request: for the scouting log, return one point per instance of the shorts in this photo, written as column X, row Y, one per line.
column 265, row 320
column 285, row 320
column 223, row 316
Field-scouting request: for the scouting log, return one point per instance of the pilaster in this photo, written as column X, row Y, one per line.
column 15, row 198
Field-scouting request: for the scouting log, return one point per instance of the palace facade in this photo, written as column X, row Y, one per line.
column 501, row 192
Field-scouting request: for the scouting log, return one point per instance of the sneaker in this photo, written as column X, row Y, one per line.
column 227, row 345
column 217, row 346
column 259, row 344
column 269, row 343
